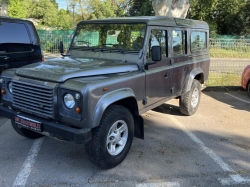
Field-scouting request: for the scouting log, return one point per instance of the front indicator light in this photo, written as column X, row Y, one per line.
column 3, row 91
column 78, row 110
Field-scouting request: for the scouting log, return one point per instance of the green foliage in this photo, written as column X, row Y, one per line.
column 225, row 17
column 64, row 20
column 106, row 8
column 17, row 9
column 223, row 79
column 45, row 11
column 140, row 8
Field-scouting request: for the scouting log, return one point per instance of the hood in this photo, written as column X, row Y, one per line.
column 62, row 69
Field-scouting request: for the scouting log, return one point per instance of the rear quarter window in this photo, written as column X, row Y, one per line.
column 12, row 32
column 198, row 41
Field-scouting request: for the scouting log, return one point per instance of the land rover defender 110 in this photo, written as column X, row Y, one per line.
column 114, row 70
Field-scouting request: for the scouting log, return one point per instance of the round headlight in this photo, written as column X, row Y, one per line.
column 10, row 87
column 69, row 100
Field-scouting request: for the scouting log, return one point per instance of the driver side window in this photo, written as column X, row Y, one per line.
column 157, row 38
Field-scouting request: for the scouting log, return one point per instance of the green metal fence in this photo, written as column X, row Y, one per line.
column 229, row 55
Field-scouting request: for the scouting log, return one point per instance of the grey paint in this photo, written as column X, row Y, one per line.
column 62, row 69
column 124, row 74
column 107, row 100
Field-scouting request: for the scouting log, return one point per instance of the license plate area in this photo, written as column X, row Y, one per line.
column 28, row 123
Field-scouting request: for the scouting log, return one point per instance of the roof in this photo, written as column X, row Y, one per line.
column 153, row 20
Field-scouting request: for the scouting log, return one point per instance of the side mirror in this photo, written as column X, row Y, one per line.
column 156, row 53
column 61, row 48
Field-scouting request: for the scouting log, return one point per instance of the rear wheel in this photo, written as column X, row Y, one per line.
column 189, row 102
column 112, row 139
column 25, row 132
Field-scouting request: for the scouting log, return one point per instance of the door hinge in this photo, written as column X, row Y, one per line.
column 172, row 90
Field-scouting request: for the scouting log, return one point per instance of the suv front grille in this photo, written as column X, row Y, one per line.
column 34, row 99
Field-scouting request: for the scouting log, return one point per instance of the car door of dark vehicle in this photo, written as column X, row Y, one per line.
column 159, row 75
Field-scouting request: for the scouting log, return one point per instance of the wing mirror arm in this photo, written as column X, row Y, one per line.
column 61, row 48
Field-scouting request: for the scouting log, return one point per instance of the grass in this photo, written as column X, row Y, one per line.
column 223, row 79
column 230, row 53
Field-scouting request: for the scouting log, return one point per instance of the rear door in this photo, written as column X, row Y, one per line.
column 180, row 59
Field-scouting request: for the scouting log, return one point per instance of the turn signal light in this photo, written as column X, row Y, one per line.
column 3, row 91
column 78, row 110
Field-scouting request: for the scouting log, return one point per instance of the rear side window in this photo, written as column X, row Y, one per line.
column 179, row 42
column 12, row 32
column 198, row 41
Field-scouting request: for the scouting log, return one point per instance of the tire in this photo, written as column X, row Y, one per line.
column 189, row 102
column 248, row 88
column 25, row 132
column 109, row 147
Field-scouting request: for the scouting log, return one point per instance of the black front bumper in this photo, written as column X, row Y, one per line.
column 56, row 130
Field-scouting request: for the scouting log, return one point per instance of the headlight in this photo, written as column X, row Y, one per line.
column 10, row 87
column 69, row 100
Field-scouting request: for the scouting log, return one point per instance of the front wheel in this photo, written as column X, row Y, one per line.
column 112, row 139
column 190, row 101
column 25, row 132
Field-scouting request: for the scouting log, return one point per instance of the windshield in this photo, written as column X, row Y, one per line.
column 13, row 33
column 110, row 36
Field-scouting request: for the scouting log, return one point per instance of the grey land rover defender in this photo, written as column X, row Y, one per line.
column 114, row 70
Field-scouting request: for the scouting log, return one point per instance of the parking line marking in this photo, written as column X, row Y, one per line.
column 4, row 123
column 161, row 184
column 245, row 101
column 24, row 173
column 233, row 179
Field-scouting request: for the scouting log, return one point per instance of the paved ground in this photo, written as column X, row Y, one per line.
column 211, row 148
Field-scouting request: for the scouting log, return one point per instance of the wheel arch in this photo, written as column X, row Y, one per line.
column 124, row 97
column 197, row 74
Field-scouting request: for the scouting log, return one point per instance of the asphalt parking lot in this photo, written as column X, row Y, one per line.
column 211, row 148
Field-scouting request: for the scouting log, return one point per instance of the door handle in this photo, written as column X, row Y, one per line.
column 166, row 75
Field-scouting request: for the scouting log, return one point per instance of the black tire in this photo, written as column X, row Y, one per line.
column 25, row 132
column 189, row 102
column 248, row 88
column 97, row 148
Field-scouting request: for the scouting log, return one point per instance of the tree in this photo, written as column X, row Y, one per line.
column 140, row 8
column 106, row 8
column 172, row 8
column 17, row 9
column 220, row 14
column 4, row 7
column 64, row 20
column 45, row 11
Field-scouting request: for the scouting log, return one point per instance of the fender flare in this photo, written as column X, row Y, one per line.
column 190, row 78
column 107, row 100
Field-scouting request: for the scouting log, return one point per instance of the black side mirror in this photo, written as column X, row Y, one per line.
column 156, row 53
column 61, row 48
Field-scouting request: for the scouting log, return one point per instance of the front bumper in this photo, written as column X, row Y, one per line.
column 52, row 129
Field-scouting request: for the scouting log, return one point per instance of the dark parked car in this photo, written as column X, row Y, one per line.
column 19, row 43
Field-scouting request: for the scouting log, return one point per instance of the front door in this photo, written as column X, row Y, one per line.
column 159, row 75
